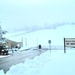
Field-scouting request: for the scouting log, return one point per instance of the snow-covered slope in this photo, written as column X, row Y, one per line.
column 42, row 36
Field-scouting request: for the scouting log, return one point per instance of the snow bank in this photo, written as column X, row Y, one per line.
column 54, row 63
column 2, row 72
column 2, row 56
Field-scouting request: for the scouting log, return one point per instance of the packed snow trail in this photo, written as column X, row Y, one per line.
column 19, row 57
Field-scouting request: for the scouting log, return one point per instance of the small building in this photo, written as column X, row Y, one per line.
column 11, row 43
column 8, row 42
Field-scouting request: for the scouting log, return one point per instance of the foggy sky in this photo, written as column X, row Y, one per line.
column 19, row 14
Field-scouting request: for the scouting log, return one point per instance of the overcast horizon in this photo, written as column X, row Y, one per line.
column 19, row 14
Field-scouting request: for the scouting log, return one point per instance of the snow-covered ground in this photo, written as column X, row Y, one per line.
column 2, row 56
column 55, row 62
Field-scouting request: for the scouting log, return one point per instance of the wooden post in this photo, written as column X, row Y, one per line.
column 64, row 46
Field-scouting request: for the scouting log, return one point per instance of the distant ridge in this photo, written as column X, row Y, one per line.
column 51, row 26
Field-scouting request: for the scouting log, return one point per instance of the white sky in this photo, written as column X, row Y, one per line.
column 22, row 13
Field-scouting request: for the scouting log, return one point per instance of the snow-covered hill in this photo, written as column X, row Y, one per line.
column 42, row 36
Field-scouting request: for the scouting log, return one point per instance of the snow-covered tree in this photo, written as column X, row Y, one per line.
column 2, row 39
